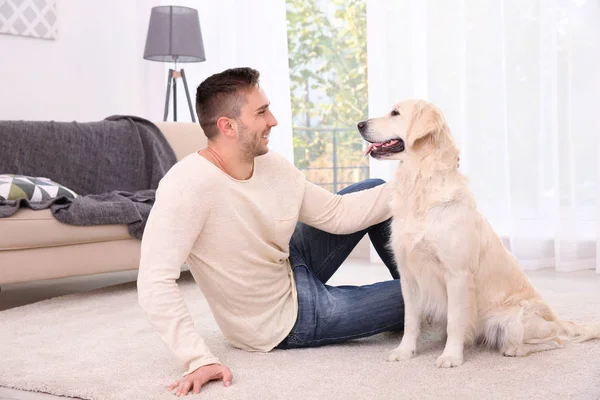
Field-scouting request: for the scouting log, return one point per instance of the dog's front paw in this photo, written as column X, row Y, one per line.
column 400, row 354
column 449, row 361
column 511, row 352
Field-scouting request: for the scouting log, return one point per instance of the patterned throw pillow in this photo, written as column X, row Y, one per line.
column 34, row 189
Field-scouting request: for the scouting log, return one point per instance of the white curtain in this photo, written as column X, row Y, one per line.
column 519, row 83
column 242, row 33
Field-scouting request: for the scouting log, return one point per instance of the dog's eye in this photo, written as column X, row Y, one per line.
column 395, row 112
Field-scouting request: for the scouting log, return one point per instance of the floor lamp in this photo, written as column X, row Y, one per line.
column 174, row 36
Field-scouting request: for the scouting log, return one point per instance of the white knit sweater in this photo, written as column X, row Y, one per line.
column 234, row 235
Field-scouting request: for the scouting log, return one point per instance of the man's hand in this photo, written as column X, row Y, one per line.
column 199, row 377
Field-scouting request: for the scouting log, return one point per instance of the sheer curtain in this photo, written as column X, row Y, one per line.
column 519, row 83
column 242, row 33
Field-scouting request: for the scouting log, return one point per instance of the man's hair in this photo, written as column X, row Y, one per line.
column 223, row 95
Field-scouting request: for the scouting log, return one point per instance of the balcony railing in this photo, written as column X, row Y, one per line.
column 340, row 161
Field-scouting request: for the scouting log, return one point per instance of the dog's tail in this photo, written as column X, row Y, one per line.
column 574, row 332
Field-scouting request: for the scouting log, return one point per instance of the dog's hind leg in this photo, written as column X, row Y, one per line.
column 525, row 349
column 534, row 330
column 541, row 334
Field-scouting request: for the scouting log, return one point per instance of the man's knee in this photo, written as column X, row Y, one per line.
column 372, row 182
column 362, row 185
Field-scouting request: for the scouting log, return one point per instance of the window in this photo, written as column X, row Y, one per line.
column 327, row 46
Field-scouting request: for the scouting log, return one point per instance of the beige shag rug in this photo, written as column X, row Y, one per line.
column 98, row 345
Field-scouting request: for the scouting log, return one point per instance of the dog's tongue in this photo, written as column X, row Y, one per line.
column 370, row 148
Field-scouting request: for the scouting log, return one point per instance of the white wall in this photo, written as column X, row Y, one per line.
column 93, row 70
column 242, row 33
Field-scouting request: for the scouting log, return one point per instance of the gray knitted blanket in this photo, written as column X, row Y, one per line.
column 114, row 166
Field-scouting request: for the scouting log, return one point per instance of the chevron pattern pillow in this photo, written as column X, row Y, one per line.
column 34, row 189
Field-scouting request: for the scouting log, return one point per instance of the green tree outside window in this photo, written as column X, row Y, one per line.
column 328, row 73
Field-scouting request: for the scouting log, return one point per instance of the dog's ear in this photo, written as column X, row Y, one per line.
column 426, row 121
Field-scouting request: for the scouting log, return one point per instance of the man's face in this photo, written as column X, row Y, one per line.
column 255, row 123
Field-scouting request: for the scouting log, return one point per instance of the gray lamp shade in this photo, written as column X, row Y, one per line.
column 174, row 35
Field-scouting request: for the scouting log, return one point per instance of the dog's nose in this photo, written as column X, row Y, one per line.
column 361, row 124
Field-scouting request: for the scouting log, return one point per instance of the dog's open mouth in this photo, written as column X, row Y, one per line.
column 383, row 148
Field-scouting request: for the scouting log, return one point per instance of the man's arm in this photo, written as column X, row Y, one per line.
column 172, row 228
column 344, row 214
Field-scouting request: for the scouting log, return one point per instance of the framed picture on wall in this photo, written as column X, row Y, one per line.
column 33, row 18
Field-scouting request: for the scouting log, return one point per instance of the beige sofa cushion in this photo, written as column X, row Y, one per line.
column 64, row 261
column 28, row 229
column 184, row 137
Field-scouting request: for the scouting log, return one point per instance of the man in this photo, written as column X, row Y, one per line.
column 260, row 241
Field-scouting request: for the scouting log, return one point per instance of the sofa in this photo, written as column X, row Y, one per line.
column 34, row 245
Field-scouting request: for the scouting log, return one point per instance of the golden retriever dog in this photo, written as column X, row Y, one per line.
column 454, row 268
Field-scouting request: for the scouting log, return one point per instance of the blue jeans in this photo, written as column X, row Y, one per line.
column 330, row 314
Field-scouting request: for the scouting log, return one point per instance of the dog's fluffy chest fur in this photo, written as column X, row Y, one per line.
column 423, row 216
column 413, row 232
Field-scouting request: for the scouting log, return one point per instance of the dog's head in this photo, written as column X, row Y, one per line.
column 411, row 126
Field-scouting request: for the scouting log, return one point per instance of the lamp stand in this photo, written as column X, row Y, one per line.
column 172, row 81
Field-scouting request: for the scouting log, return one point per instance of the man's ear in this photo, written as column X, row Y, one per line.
column 226, row 126
column 425, row 121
